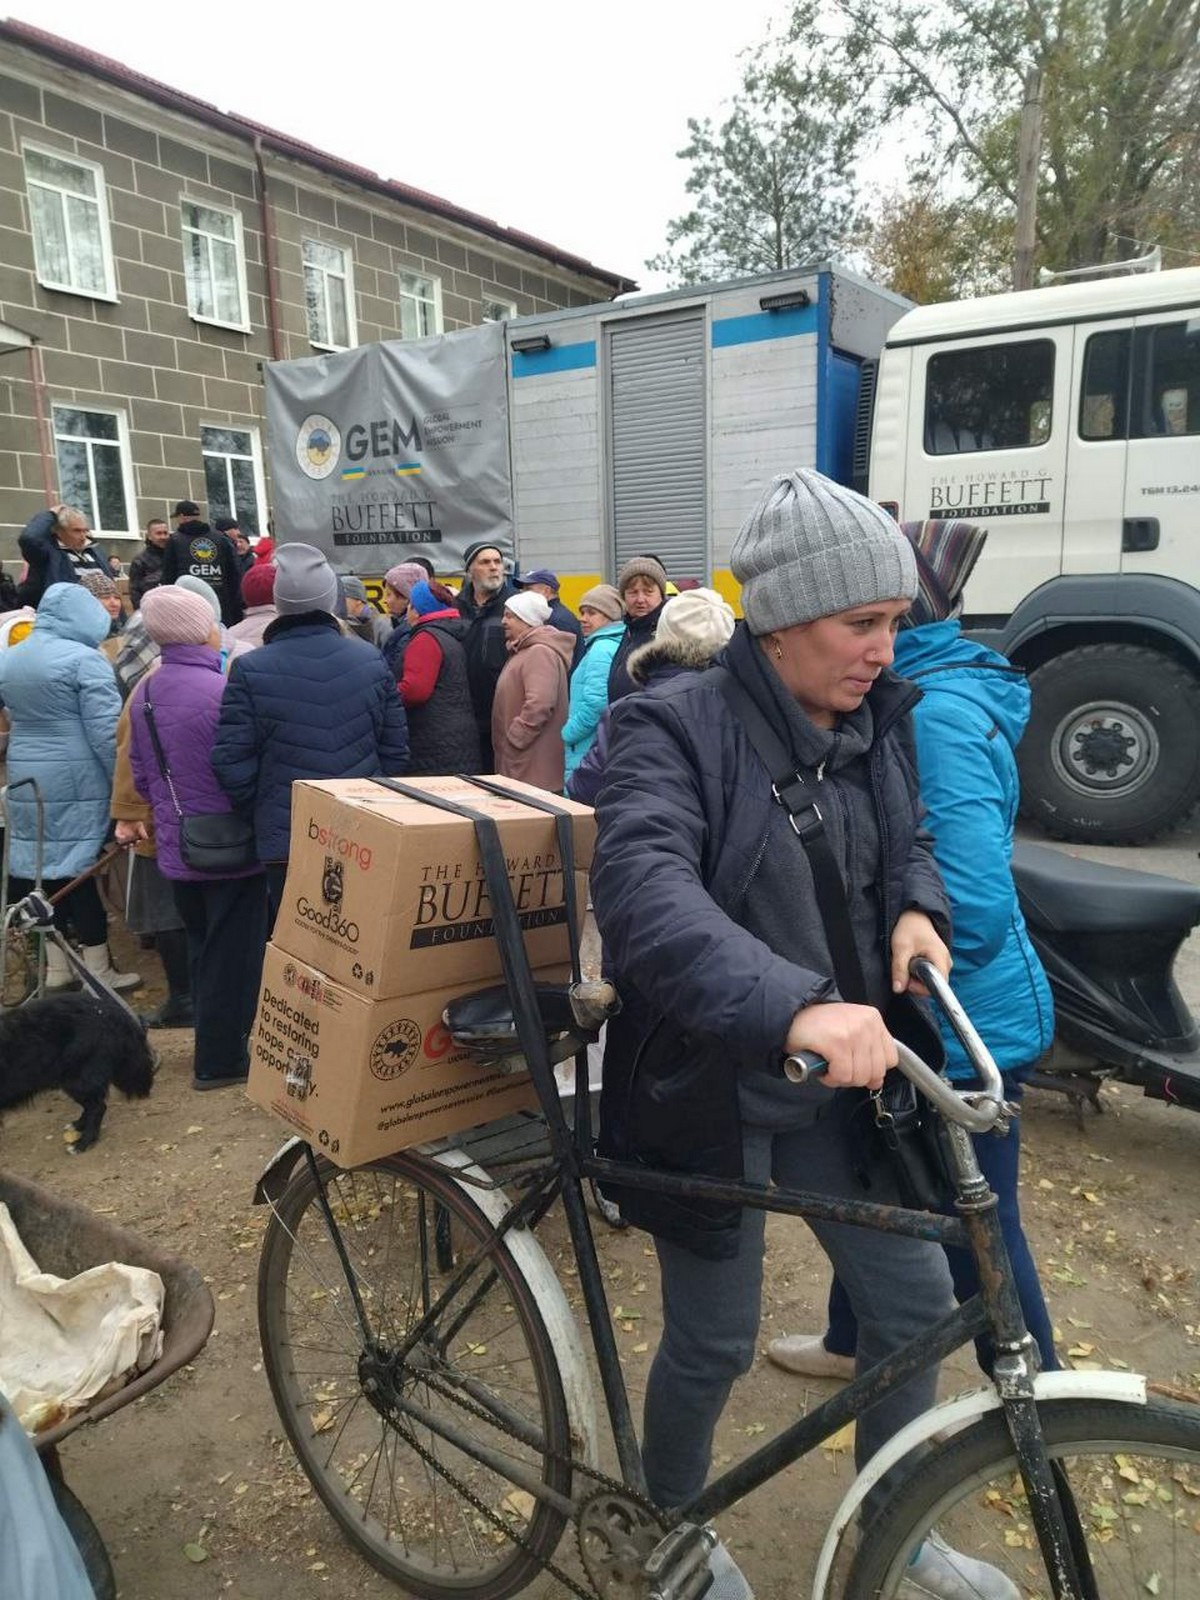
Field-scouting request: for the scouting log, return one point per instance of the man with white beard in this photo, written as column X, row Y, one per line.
column 481, row 601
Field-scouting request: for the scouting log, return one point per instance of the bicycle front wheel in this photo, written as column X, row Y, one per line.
column 1129, row 1476
column 415, row 1456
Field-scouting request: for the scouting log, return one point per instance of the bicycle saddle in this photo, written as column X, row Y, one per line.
column 485, row 1021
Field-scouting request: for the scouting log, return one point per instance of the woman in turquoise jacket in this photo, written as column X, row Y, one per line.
column 63, row 703
column 973, row 709
column 602, row 621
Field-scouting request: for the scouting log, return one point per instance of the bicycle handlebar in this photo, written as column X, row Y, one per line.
column 978, row 1110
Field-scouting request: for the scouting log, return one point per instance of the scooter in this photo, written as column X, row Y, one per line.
column 1108, row 938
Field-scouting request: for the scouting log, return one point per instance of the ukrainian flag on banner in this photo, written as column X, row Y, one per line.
column 407, row 469
column 353, row 474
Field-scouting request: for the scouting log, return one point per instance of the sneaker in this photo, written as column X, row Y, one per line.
column 945, row 1574
column 219, row 1083
column 806, row 1353
column 729, row 1582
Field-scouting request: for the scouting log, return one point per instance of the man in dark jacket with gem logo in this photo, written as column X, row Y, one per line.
column 195, row 549
column 707, row 907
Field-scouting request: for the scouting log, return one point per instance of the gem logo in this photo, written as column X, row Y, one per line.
column 318, row 446
column 332, row 881
column 203, row 549
column 395, row 1050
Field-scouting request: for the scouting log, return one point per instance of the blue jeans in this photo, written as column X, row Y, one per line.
column 999, row 1160
column 898, row 1286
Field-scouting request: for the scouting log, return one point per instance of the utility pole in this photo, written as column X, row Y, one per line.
column 1028, row 155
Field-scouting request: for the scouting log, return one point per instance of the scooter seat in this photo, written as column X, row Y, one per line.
column 1065, row 894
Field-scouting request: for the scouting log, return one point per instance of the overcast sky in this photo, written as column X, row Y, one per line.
column 554, row 117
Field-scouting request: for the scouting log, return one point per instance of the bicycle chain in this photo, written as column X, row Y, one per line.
column 602, row 1479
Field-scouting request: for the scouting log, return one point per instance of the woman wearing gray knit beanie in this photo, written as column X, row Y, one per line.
column 706, row 904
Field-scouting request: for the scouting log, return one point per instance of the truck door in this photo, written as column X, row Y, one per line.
column 1161, row 527
column 658, row 442
column 1097, row 450
column 987, row 443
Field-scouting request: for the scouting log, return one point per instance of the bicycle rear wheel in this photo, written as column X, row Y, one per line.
column 386, row 1442
column 1130, row 1480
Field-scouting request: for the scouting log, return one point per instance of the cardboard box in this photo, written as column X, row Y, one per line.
column 362, row 1078
column 387, row 895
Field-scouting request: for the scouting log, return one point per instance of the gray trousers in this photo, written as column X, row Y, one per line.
column 897, row 1286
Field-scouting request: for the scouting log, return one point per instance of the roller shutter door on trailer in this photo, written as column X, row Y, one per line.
column 658, row 443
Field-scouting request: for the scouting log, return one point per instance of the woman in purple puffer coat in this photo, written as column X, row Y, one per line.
column 225, row 917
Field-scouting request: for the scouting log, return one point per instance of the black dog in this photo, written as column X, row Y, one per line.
column 76, row 1043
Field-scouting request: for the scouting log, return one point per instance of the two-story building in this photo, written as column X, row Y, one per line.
column 156, row 251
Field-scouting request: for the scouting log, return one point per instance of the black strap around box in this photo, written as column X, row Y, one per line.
column 514, row 958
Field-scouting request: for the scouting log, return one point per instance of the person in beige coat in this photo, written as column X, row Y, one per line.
column 530, row 706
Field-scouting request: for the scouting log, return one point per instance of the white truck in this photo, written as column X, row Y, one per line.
column 1067, row 420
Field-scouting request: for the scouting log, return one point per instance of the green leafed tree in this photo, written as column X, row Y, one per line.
column 773, row 185
column 1121, row 107
column 930, row 247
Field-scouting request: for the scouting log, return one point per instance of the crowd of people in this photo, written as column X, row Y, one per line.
column 696, row 736
column 232, row 670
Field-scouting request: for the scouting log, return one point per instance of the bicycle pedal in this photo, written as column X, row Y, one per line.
column 677, row 1568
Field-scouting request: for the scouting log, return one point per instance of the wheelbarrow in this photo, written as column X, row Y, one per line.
column 67, row 1239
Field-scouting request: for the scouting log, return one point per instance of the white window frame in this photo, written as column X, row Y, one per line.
column 434, row 300
column 186, row 227
column 498, row 303
column 100, row 200
column 346, row 278
column 255, row 459
column 122, row 442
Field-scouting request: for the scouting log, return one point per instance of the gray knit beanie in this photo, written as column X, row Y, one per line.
column 642, row 567
column 304, row 580
column 811, row 547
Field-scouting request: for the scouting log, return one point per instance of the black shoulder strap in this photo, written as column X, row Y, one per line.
column 152, row 728
column 792, row 791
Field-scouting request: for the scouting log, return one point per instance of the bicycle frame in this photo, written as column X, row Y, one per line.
column 976, row 1227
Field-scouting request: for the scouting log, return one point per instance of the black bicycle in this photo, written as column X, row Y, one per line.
column 431, row 1378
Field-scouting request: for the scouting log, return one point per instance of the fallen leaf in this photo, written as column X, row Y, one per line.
column 195, row 1552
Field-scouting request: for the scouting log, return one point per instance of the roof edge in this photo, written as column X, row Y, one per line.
column 91, row 62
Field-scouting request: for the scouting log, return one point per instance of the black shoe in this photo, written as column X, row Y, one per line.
column 171, row 1014
column 219, row 1083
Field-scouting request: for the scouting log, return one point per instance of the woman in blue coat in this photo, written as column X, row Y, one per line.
column 602, row 618
column 63, row 703
column 968, row 722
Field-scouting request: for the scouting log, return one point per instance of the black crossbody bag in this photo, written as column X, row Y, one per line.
column 216, row 842
column 903, row 1129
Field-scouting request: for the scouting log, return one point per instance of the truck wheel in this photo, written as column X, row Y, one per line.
column 1112, row 751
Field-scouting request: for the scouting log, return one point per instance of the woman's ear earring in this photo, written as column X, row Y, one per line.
column 778, row 651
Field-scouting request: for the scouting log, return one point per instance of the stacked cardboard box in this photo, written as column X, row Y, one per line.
column 386, row 919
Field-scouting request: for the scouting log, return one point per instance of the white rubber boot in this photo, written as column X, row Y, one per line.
column 60, row 974
column 99, row 963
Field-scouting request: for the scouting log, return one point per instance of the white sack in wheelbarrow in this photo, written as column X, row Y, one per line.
column 65, row 1342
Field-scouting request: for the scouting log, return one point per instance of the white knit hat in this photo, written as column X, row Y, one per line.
column 530, row 607
column 698, row 617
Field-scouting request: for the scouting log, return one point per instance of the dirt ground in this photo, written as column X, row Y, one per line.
column 1110, row 1204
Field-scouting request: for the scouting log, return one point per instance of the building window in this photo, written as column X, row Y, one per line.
column 69, row 220
column 214, row 265
column 93, row 466
column 329, row 294
column 420, row 305
column 232, row 475
column 499, row 310
column 994, row 397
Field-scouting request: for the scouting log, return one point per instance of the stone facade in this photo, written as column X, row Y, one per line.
column 139, row 354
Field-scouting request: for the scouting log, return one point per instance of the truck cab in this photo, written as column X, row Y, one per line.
column 1067, row 421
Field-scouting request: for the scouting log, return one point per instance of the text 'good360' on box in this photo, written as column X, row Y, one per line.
column 387, row 894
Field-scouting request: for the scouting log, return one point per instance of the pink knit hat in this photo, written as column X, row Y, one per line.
column 402, row 577
column 174, row 616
